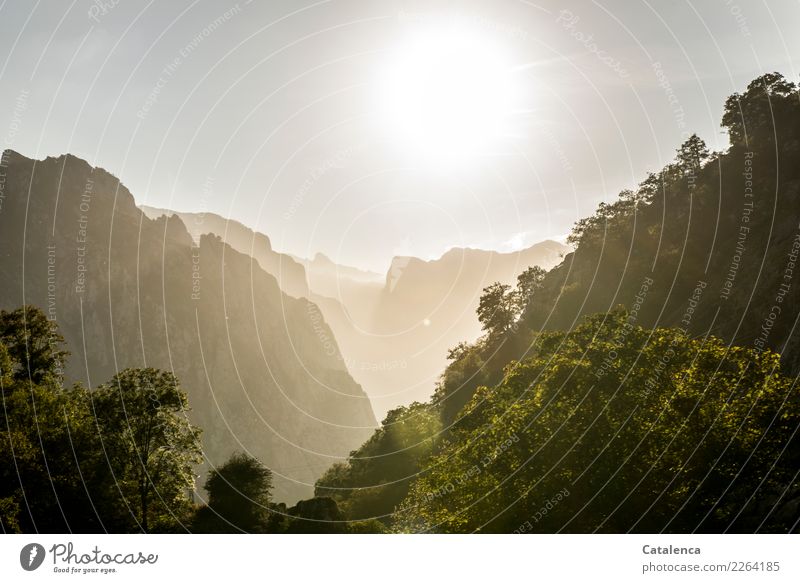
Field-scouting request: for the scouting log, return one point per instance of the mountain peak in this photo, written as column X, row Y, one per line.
column 322, row 259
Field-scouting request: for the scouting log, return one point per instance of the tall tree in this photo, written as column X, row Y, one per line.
column 528, row 283
column 496, row 310
column 47, row 446
column 152, row 446
column 692, row 154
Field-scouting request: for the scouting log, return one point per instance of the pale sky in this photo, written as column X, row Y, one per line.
column 278, row 114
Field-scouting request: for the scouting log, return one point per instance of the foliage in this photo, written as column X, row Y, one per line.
column 647, row 430
column 376, row 477
column 497, row 310
column 34, row 343
column 116, row 459
column 238, row 497
column 47, row 450
column 528, row 283
column 319, row 515
column 767, row 100
column 151, row 446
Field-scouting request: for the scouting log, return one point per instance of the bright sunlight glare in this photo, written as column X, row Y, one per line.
column 447, row 95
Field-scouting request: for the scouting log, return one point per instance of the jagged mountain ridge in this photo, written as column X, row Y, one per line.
column 392, row 332
column 128, row 291
column 290, row 273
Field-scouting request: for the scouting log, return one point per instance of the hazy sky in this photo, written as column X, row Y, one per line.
column 288, row 115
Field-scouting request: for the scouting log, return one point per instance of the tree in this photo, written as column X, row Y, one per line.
column 760, row 110
column 692, row 154
column 48, row 448
column 238, row 496
column 151, row 445
column 49, row 456
column 497, row 310
column 528, row 283
column 33, row 343
column 458, row 351
column 647, row 430
column 376, row 476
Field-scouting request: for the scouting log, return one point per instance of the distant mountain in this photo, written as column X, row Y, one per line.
column 423, row 309
column 343, row 291
column 653, row 371
column 127, row 290
column 289, row 273
column 392, row 331
column 324, row 276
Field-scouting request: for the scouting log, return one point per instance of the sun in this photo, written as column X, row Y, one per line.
column 447, row 95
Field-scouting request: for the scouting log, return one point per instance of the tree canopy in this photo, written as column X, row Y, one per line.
column 639, row 430
column 119, row 458
column 239, row 494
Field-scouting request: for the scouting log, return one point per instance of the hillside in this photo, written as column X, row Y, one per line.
column 710, row 243
column 290, row 273
column 647, row 383
column 392, row 332
column 127, row 291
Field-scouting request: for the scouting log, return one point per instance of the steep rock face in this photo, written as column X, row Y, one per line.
column 127, row 291
column 393, row 331
column 423, row 309
column 290, row 273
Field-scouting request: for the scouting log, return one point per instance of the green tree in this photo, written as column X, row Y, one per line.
column 48, row 446
column 645, row 430
column 238, row 497
column 376, row 476
column 528, row 283
column 496, row 309
column 33, row 343
column 151, row 446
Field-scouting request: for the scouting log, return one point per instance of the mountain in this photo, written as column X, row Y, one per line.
column 399, row 349
column 290, row 273
column 127, row 291
column 391, row 331
column 709, row 244
column 663, row 354
column 325, row 277
column 647, row 383
column 348, row 294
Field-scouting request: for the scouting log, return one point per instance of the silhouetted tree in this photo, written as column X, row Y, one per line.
column 760, row 109
column 238, row 496
column 692, row 154
column 528, row 283
column 319, row 515
column 496, row 310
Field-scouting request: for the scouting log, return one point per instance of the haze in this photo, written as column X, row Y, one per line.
column 268, row 113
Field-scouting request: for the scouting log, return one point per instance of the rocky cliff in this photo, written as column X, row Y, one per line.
column 260, row 367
